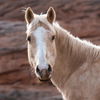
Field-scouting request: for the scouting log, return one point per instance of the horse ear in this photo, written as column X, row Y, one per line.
column 29, row 15
column 51, row 15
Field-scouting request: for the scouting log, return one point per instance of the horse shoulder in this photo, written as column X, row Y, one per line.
column 84, row 83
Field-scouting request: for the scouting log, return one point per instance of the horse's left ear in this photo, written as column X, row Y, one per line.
column 51, row 15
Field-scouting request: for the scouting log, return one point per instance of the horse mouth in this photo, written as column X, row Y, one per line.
column 44, row 75
column 44, row 79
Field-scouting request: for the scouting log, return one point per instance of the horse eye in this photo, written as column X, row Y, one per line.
column 28, row 38
column 53, row 37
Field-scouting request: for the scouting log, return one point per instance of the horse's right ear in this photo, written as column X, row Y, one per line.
column 29, row 15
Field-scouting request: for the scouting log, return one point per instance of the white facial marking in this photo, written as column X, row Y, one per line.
column 39, row 34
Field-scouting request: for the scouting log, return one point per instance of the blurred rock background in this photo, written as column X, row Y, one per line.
column 80, row 17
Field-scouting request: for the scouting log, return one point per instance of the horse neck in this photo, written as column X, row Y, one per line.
column 69, row 48
column 70, row 56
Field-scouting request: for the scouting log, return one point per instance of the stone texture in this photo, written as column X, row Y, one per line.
column 81, row 17
column 27, row 94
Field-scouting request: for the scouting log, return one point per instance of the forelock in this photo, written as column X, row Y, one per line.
column 40, row 20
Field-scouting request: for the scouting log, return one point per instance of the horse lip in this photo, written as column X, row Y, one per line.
column 45, row 77
column 44, row 80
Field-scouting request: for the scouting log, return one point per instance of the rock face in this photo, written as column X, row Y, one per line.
column 23, row 94
column 28, row 94
column 13, row 56
column 80, row 17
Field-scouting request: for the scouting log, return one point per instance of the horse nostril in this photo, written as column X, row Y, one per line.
column 37, row 69
column 49, row 68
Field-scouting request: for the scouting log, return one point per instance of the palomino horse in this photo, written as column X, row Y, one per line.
column 73, row 65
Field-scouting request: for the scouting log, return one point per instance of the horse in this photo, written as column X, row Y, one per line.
column 72, row 64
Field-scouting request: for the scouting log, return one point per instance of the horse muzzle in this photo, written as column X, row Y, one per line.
column 44, row 74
